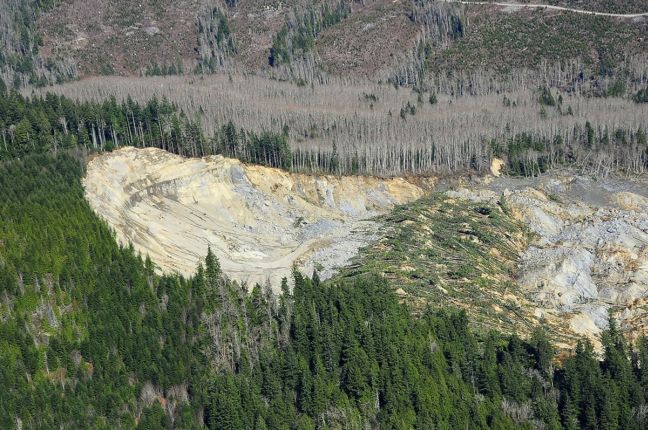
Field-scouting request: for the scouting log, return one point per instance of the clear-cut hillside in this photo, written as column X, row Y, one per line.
column 259, row 221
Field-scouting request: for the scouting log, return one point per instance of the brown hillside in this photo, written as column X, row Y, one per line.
column 127, row 38
column 370, row 40
column 254, row 24
column 121, row 36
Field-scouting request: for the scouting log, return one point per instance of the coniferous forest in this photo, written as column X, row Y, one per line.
column 92, row 337
column 55, row 123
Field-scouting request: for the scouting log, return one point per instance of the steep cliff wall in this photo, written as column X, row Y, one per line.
column 259, row 221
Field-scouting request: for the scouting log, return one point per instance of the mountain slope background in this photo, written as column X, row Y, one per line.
column 403, row 41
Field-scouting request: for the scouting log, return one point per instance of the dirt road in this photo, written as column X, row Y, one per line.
column 552, row 7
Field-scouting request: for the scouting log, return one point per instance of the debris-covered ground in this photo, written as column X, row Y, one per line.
column 561, row 251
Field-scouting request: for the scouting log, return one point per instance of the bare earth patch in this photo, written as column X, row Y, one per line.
column 589, row 249
column 259, row 221
column 372, row 40
column 121, row 36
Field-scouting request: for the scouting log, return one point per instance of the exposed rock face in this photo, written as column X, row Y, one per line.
column 589, row 251
column 259, row 221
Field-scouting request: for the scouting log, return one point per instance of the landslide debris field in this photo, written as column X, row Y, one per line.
column 559, row 250
column 259, row 221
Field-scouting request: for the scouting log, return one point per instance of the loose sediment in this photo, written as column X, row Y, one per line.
column 259, row 221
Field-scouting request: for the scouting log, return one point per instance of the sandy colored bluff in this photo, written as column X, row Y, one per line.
column 259, row 221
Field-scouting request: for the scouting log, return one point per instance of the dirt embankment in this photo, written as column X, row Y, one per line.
column 259, row 221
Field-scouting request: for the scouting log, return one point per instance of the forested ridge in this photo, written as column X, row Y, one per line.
column 91, row 337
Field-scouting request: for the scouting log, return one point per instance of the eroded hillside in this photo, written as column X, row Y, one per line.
column 259, row 221
column 589, row 252
column 560, row 250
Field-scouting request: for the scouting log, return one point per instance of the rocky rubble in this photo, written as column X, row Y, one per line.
column 589, row 247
